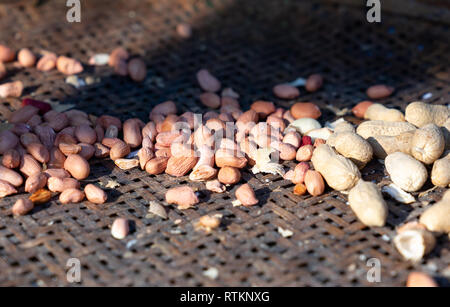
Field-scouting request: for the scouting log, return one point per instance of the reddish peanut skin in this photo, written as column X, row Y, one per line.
column 11, row 159
column 207, row 81
column 10, row 176
column 35, row 182
column 379, row 91
column 59, row 185
column 182, row 196
column 360, row 109
column 8, row 140
column 95, row 195
column 229, row 175
column 211, row 100
column 246, row 195
column 6, row 54
column 137, row 69
column 22, row 207
column 39, row 152
column 120, row 228
column 85, row 134
column 314, row 83
column 263, row 108
column 57, row 172
column 57, row 158
column 26, row 58
column 47, row 62
column 419, row 279
column 119, row 150
column 23, row 115
column 132, row 133
column 6, row 189
column 314, row 183
column 77, row 166
column 29, row 166
column 286, row 91
column 305, row 109
column 300, row 172
column 71, row 196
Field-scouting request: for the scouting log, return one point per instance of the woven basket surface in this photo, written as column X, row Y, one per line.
column 250, row 46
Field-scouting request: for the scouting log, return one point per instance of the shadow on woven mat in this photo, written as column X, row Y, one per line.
column 250, row 47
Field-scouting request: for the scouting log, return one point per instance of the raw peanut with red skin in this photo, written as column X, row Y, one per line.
column 22, row 206
column 286, row 91
column 419, row 279
column 34, row 121
column 26, row 58
column 117, row 54
column 71, row 196
column 95, row 195
column 6, row 189
column 106, row 120
column 100, row 132
column 300, row 172
column 46, row 135
column 263, row 108
column 11, row 89
column 183, row 196
column 304, row 153
column 169, row 123
column 137, row 69
column 314, row 83
column 289, row 175
column 35, row 182
column 229, row 175
column 319, row 142
column 77, row 166
column 156, row 165
column 10, row 176
column 59, row 185
column 215, row 186
column 40, row 197
column 11, row 159
column 85, row 134
column 300, row 189
column 132, row 133
column 6, row 54
column 3, row 72
column 149, row 131
column 66, row 139
column 164, row 108
column 276, row 122
column 379, row 91
column 226, row 157
column 29, row 138
column 68, row 66
column 184, row 30
column 29, row 166
column 8, row 140
column 287, row 151
column 39, row 152
column 306, row 140
column 163, row 153
column 47, row 62
column 207, row 81
column 56, row 172
column 20, row 128
column 211, row 100
column 110, row 142
column 43, row 106
column 87, row 150
column 360, row 109
column 59, row 122
column 145, row 155
column 101, row 151
column 69, row 149
column 314, row 183
column 57, row 158
column 23, row 115
column 305, row 109
column 120, row 228
column 246, row 195
column 180, row 166
column 119, row 150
